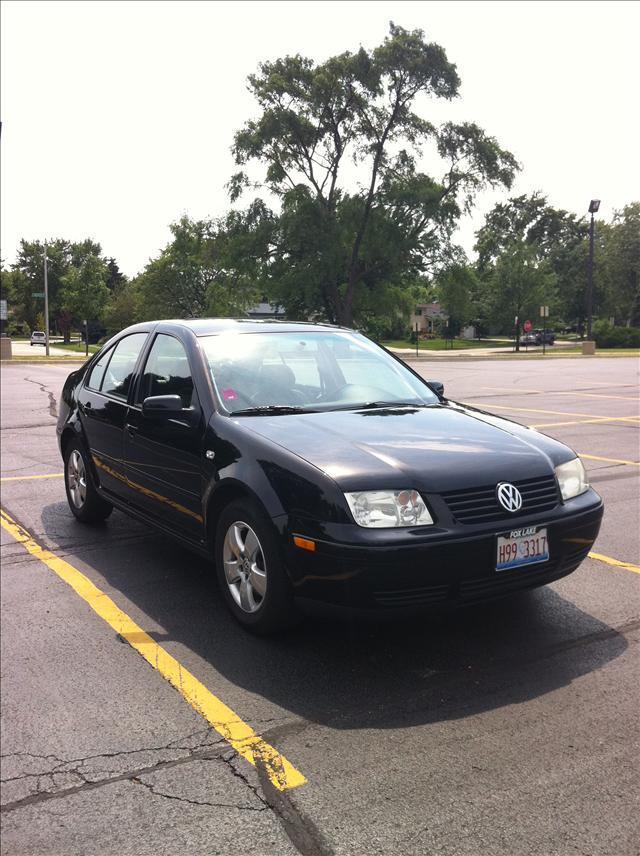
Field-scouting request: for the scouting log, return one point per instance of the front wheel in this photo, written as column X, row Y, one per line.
column 250, row 571
column 82, row 496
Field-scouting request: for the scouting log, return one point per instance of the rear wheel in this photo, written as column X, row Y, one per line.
column 82, row 496
column 250, row 571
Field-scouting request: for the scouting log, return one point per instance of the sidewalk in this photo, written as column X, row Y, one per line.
column 22, row 348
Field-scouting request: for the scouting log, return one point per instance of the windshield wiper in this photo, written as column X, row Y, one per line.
column 271, row 409
column 372, row 405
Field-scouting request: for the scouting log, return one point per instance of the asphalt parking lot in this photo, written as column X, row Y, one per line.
column 503, row 729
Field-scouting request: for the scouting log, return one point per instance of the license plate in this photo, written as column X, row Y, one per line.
column 519, row 547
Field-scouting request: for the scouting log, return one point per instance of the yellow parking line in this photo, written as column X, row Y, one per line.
column 632, row 419
column 537, row 410
column 610, row 460
column 225, row 721
column 518, row 390
column 26, row 478
column 629, row 566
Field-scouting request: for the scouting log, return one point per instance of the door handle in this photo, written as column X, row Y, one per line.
column 87, row 405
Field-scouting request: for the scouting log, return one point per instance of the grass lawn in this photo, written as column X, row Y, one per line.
column 442, row 344
column 78, row 347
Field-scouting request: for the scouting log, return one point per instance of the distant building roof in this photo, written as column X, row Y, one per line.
column 266, row 310
column 431, row 310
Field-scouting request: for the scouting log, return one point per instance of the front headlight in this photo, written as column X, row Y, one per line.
column 572, row 478
column 382, row 509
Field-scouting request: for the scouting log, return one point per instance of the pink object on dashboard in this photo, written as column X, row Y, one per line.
column 229, row 394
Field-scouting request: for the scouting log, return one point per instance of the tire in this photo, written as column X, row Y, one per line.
column 246, row 548
column 85, row 503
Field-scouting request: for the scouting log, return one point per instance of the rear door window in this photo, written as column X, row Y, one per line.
column 94, row 380
column 118, row 374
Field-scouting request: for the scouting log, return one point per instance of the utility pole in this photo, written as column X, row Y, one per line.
column 46, row 303
column 593, row 208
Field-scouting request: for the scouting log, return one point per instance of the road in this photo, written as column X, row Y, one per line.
column 508, row 729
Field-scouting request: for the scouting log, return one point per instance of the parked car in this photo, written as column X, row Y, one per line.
column 529, row 339
column 546, row 336
column 318, row 470
column 38, row 338
column 537, row 337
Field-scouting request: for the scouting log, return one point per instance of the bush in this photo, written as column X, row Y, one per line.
column 608, row 336
column 18, row 330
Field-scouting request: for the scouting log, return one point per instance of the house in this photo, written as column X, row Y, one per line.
column 425, row 314
column 264, row 310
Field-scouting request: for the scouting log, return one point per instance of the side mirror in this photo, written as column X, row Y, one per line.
column 157, row 406
column 437, row 386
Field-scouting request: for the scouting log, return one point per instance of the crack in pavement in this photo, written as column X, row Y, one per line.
column 303, row 833
column 136, row 780
column 87, row 784
column 53, row 404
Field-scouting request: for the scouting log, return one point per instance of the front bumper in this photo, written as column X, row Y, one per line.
column 384, row 571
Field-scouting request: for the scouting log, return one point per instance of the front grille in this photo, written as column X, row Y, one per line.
column 491, row 585
column 422, row 596
column 480, row 505
column 487, row 588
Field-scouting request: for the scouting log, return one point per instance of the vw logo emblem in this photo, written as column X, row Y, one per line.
column 509, row 497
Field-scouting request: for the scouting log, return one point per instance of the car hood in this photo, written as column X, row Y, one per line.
column 438, row 448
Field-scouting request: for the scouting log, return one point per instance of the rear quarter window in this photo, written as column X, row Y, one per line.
column 94, row 381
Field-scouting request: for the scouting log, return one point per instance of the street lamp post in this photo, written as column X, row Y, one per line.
column 593, row 207
column 46, row 303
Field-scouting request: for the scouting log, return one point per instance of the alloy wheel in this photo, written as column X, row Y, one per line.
column 245, row 568
column 77, row 479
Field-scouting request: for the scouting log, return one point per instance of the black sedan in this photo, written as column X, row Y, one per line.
column 317, row 469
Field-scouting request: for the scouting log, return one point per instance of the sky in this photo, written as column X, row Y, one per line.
column 118, row 117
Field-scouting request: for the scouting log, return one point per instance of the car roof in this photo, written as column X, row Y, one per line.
column 212, row 326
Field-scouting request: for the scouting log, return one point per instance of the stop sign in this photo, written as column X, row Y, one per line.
column 527, row 326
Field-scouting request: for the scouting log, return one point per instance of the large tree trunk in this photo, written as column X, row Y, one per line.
column 344, row 316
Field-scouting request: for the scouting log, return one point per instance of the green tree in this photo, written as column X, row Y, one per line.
column 124, row 307
column 83, row 290
column 617, row 266
column 456, row 286
column 207, row 269
column 62, row 256
column 176, row 284
column 519, row 284
column 115, row 277
column 332, row 246
column 554, row 236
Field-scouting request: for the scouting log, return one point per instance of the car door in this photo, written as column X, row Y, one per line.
column 163, row 454
column 103, row 407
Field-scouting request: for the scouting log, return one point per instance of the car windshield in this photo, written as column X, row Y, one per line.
column 290, row 372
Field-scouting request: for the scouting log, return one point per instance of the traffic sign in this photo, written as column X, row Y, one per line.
column 544, row 311
column 3, row 310
column 37, row 294
column 527, row 326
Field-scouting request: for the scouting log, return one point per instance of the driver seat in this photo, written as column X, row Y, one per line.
column 276, row 384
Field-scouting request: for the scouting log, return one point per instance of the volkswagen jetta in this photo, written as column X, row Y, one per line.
column 315, row 468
